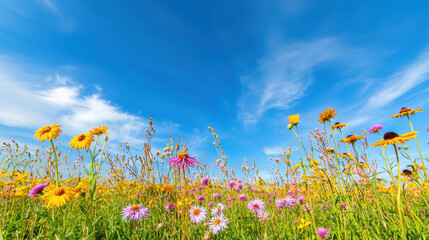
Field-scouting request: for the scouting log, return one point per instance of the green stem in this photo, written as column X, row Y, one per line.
column 57, row 183
column 418, row 148
column 398, row 197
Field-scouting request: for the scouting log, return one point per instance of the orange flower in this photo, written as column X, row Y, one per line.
column 48, row 132
column 293, row 119
column 327, row 115
column 405, row 112
column 393, row 138
column 352, row 139
column 338, row 125
column 100, row 130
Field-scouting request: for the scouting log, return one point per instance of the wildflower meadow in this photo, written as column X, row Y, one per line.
column 329, row 189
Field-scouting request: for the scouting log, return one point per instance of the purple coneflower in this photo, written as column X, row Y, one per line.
column 182, row 161
column 135, row 212
column 300, row 199
column 238, row 187
column 211, row 204
column 205, row 181
column 242, row 197
column 217, row 195
column 37, row 189
column 170, row 206
column 231, row 184
column 322, row 233
column 262, row 215
column 219, row 209
column 218, row 223
column 290, row 202
column 201, row 198
column 197, row 214
column 375, row 128
column 256, row 205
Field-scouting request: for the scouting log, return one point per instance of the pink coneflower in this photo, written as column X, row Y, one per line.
column 170, row 206
column 218, row 223
column 182, row 161
column 217, row 195
column 201, row 198
column 205, row 181
column 291, row 192
column 238, row 187
column 300, row 199
column 290, row 202
column 375, row 128
column 322, row 233
column 242, row 197
column 37, row 189
column 256, row 205
column 211, row 204
column 200, row 188
column 230, row 184
column 197, row 214
column 280, row 203
column 135, row 212
column 218, row 209
column 262, row 215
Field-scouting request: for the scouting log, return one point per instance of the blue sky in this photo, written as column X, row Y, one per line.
column 241, row 67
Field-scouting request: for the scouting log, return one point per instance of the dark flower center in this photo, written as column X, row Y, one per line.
column 349, row 136
column 81, row 137
column 404, row 109
column 390, row 135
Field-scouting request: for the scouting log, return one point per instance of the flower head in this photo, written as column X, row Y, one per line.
column 322, row 233
column 256, row 205
column 338, row 125
column 182, row 161
column 242, row 197
column 218, row 209
column 48, row 132
column 327, row 115
column 57, row 196
column 201, row 198
column 393, row 138
column 406, row 112
column 293, row 119
column 170, row 206
column 100, row 130
column 135, row 212
column 197, row 214
column 82, row 141
column 262, row 215
column 375, row 128
column 37, row 189
column 218, row 223
column 351, row 139
column 205, row 181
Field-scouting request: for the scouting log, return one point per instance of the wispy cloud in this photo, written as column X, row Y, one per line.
column 270, row 151
column 401, row 82
column 65, row 23
column 27, row 105
column 282, row 77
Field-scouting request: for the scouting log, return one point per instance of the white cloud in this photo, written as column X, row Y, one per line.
column 273, row 150
column 283, row 77
column 401, row 82
column 27, row 105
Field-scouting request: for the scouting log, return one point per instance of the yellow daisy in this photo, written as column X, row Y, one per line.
column 338, row 125
column 48, row 132
column 405, row 112
column 293, row 119
column 352, row 139
column 82, row 141
column 393, row 138
column 57, row 196
column 327, row 115
column 100, row 130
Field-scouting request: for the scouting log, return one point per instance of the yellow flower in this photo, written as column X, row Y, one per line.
column 338, row 125
column 393, row 138
column 58, row 196
column 48, row 132
column 100, row 130
column 351, row 139
column 151, row 202
column 345, row 155
column 293, row 119
column 327, row 115
column 303, row 223
column 82, row 141
column 405, row 112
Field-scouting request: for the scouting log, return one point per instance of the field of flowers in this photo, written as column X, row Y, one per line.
column 331, row 190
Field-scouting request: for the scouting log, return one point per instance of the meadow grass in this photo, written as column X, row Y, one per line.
column 318, row 194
